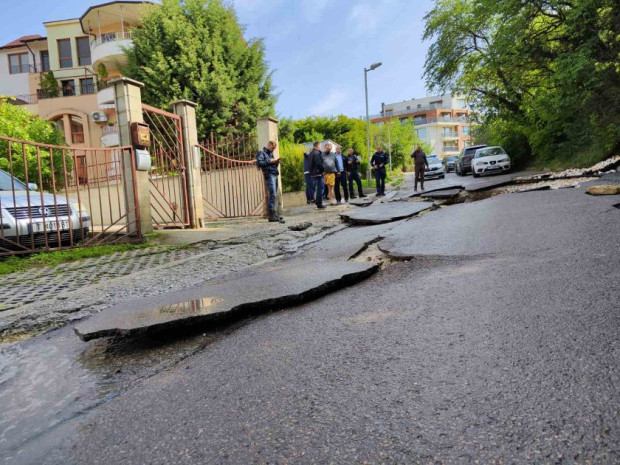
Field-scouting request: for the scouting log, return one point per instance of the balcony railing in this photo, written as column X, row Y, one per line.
column 24, row 99
column 110, row 130
column 450, row 134
column 110, row 37
column 389, row 114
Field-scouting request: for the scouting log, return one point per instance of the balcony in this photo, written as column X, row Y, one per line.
column 105, row 97
column 450, row 135
column 110, row 137
column 107, row 49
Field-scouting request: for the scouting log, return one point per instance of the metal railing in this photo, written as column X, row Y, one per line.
column 450, row 134
column 78, row 200
column 110, row 37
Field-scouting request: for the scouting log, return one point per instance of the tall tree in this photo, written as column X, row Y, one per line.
column 545, row 73
column 195, row 49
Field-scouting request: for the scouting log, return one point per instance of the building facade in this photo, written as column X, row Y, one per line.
column 63, row 77
column 441, row 121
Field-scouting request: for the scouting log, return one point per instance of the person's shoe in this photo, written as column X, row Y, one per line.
column 309, row 202
column 280, row 219
column 415, row 189
column 353, row 197
column 363, row 196
column 320, row 207
column 273, row 218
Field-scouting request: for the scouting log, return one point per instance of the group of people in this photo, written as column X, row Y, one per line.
column 334, row 170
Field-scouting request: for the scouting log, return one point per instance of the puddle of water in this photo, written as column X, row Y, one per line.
column 48, row 381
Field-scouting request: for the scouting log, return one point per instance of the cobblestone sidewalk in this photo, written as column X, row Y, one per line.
column 40, row 283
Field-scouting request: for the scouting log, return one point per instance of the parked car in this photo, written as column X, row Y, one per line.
column 463, row 163
column 449, row 163
column 490, row 160
column 435, row 168
column 29, row 216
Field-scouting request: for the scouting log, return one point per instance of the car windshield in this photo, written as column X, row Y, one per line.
column 450, row 158
column 490, row 152
column 432, row 160
column 8, row 182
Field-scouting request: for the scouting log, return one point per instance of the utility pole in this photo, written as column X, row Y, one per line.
column 372, row 67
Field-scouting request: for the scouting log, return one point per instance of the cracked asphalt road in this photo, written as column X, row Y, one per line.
column 510, row 358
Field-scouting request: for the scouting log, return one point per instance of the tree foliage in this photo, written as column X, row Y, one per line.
column 18, row 123
column 544, row 73
column 351, row 132
column 194, row 49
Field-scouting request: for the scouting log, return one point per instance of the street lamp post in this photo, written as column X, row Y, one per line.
column 373, row 66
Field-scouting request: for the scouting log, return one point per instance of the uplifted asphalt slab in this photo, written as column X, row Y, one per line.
column 249, row 292
column 385, row 212
column 362, row 201
column 441, row 194
column 490, row 183
column 503, row 224
column 417, row 193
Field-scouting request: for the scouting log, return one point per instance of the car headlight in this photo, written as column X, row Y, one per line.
column 505, row 160
column 81, row 211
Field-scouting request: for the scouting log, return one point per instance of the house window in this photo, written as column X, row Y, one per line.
column 87, row 86
column 64, row 53
column 466, row 130
column 68, row 88
column 77, row 130
column 45, row 60
column 19, row 63
column 83, row 48
column 421, row 133
column 436, row 104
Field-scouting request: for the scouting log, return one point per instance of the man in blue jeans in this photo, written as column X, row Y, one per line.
column 316, row 173
column 269, row 165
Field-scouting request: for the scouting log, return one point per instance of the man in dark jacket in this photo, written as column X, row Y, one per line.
column 378, row 161
column 308, row 180
column 352, row 164
column 316, row 173
column 269, row 165
column 419, row 158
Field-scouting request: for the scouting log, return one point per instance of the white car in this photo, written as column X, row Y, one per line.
column 435, row 168
column 490, row 160
column 27, row 217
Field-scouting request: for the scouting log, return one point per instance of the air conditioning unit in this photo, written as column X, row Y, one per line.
column 99, row 117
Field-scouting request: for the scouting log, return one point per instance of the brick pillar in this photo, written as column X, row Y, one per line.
column 187, row 111
column 267, row 129
column 128, row 102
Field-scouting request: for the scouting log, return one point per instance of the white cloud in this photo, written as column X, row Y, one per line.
column 368, row 16
column 313, row 9
column 330, row 104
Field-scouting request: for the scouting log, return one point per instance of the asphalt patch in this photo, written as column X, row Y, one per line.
column 237, row 295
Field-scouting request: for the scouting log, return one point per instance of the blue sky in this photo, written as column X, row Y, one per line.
column 318, row 48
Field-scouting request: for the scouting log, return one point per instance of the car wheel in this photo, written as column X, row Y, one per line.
column 474, row 174
column 443, row 176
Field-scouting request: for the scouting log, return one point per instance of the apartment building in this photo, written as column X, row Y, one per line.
column 442, row 121
column 82, row 54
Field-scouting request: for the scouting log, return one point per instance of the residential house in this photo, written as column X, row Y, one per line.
column 441, row 121
column 83, row 54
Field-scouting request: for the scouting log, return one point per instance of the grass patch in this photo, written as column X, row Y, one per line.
column 17, row 263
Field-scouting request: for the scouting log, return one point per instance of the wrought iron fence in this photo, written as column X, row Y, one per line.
column 48, row 200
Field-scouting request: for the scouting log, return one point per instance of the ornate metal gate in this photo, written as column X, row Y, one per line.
column 232, row 186
column 169, row 202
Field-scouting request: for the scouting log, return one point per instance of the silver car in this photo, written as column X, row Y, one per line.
column 27, row 216
column 435, row 168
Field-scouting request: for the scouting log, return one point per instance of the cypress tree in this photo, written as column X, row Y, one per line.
column 195, row 50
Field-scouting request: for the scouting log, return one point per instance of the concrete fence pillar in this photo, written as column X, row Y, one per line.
column 187, row 111
column 267, row 129
column 128, row 102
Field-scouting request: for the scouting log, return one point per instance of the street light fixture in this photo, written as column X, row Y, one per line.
column 372, row 67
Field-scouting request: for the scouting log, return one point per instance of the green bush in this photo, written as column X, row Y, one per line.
column 18, row 123
column 291, row 166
